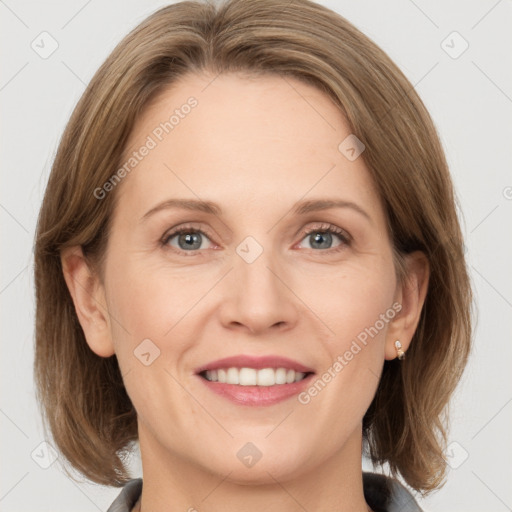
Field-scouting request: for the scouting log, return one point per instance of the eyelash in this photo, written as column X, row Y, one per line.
column 324, row 228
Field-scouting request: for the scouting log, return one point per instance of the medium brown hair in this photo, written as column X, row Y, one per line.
column 82, row 395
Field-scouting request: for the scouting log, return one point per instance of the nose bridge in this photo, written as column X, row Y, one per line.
column 259, row 297
column 253, row 266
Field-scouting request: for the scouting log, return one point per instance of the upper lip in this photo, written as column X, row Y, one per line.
column 256, row 362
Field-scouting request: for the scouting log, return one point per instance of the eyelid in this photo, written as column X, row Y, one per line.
column 329, row 228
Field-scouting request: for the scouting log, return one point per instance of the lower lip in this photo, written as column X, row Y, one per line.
column 257, row 395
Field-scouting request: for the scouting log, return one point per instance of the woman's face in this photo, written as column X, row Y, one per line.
column 246, row 280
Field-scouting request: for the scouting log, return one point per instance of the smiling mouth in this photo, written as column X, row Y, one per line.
column 252, row 377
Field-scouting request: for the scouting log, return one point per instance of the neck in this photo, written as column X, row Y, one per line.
column 175, row 483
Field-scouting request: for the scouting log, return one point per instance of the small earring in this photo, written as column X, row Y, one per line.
column 399, row 352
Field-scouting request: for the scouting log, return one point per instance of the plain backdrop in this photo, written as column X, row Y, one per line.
column 468, row 92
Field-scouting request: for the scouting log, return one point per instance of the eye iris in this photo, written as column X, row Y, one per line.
column 318, row 237
column 191, row 240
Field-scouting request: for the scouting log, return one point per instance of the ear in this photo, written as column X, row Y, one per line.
column 88, row 297
column 411, row 295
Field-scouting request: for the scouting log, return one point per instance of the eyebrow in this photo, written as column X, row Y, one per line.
column 299, row 208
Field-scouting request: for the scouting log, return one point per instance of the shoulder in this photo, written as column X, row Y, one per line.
column 385, row 494
column 127, row 497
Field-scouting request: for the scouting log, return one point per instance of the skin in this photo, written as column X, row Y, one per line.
column 248, row 142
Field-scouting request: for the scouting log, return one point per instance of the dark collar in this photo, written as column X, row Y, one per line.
column 385, row 494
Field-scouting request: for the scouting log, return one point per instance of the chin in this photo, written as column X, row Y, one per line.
column 258, row 463
column 262, row 472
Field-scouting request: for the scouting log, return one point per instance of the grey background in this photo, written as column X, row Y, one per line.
column 470, row 99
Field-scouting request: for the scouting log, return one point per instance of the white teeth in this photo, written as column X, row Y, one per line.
column 247, row 377
column 281, row 376
column 252, row 377
column 232, row 376
column 266, row 377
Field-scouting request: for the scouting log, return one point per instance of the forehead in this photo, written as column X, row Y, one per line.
column 242, row 139
column 232, row 108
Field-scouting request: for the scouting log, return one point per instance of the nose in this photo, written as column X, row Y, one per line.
column 258, row 296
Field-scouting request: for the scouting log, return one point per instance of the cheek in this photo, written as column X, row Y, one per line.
column 157, row 316
column 149, row 301
column 149, row 310
column 357, row 306
column 352, row 301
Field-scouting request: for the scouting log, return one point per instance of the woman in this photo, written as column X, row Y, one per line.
column 248, row 259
